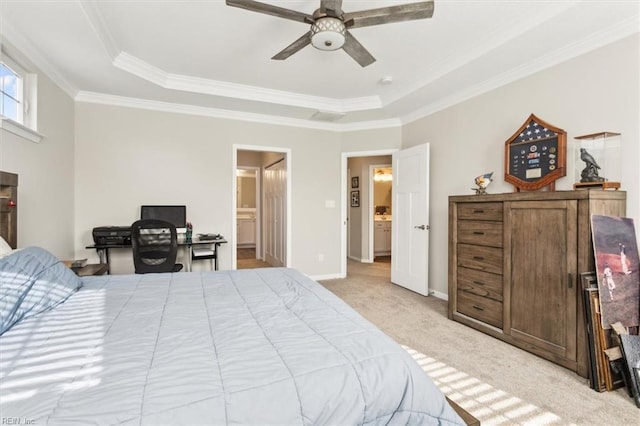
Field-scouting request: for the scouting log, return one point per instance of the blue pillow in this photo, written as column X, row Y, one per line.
column 32, row 280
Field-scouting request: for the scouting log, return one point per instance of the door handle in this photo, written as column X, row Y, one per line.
column 422, row 227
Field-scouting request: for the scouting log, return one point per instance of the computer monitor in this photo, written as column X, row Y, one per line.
column 172, row 214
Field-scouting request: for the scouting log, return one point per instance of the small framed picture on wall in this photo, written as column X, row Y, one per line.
column 355, row 198
column 355, row 182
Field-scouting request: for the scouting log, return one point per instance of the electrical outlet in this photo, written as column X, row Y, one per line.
column 321, row 257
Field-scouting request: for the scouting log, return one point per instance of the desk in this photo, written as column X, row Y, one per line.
column 103, row 249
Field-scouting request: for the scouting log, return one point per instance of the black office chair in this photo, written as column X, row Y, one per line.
column 155, row 246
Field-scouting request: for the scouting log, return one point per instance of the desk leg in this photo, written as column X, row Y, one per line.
column 190, row 258
column 215, row 258
column 103, row 255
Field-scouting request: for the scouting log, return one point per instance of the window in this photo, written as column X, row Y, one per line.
column 18, row 99
column 11, row 90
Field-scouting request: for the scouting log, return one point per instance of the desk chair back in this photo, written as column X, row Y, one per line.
column 155, row 246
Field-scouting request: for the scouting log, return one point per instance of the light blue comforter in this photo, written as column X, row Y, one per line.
column 265, row 346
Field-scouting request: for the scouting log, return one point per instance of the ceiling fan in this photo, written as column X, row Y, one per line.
column 330, row 25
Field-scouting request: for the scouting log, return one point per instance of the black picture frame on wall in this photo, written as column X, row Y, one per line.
column 355, row 198
column 355, row 182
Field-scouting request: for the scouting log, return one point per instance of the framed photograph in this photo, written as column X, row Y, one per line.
column 355, row 198
column 617, row 264
column 355, row 182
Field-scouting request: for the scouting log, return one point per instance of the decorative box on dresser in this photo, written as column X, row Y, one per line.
column 514, row 267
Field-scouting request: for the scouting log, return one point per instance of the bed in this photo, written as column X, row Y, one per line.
column 262, row 346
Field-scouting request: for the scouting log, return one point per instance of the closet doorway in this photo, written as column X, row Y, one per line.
column 263, row 234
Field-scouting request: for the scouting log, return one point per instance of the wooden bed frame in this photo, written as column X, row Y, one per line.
column 466, row 416
column 8, row 208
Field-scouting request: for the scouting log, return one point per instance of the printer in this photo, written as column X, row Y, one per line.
column 112, row 235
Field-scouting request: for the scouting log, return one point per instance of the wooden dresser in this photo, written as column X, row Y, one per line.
column 514, row 267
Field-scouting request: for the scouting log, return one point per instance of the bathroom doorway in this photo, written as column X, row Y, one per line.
column 380, row 204
column 261, row 207
column 359, row 217
column 248, row 217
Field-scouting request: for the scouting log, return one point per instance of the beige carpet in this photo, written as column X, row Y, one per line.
column 496, row 382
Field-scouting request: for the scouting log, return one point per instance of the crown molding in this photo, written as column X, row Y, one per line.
column 159, row 77
column 97, row 22
column 136, row 66
column 499, row 36
column 122, row 101
column 29, row 53
column 594, row 41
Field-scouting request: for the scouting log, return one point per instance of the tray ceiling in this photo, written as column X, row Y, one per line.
column 204, row 57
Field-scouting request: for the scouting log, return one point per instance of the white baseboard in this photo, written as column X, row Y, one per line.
column 325, row 277
column 439, row 295
column 358, row 259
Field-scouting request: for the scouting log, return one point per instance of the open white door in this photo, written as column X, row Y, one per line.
column 410, row 228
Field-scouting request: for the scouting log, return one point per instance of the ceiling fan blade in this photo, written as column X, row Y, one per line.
column 335, row 6
column 294, row 47
column 280, row 12
column 387, row 15
column 357, row 51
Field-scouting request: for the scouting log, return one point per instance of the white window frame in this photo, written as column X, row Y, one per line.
column 18, row 72
column 26, row 124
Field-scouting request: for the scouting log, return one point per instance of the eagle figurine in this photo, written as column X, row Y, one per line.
column 590, row 172
column 588, row 158
column 482, row 182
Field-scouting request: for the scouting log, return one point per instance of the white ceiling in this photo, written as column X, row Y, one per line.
column 204, row 57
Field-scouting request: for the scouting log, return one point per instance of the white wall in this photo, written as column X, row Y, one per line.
column 45, row 170
column 595, row 92
column 127, row 157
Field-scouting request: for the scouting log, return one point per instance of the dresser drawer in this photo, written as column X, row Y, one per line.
column 488, row 259
column 480, row 283
column 480, row 308
column 480, row 232
column 480, row 211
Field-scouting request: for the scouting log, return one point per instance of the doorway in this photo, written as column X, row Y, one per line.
column 381, row 204
column 248, row 217
column 410, row 227
column 261, row 207
column 358, row 216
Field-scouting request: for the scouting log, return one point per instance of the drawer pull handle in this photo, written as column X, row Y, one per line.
column 478, row 233
column 478, row 282
column 478, row 308
column 478, row 211
column 478, row 258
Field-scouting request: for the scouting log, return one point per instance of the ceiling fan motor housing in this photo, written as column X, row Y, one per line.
column 328, row 33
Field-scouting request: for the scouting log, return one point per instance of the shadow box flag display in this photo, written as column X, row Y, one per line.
column 535, row 156
column 617, row 263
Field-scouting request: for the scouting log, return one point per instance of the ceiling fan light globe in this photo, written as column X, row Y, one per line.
column 328, row 33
